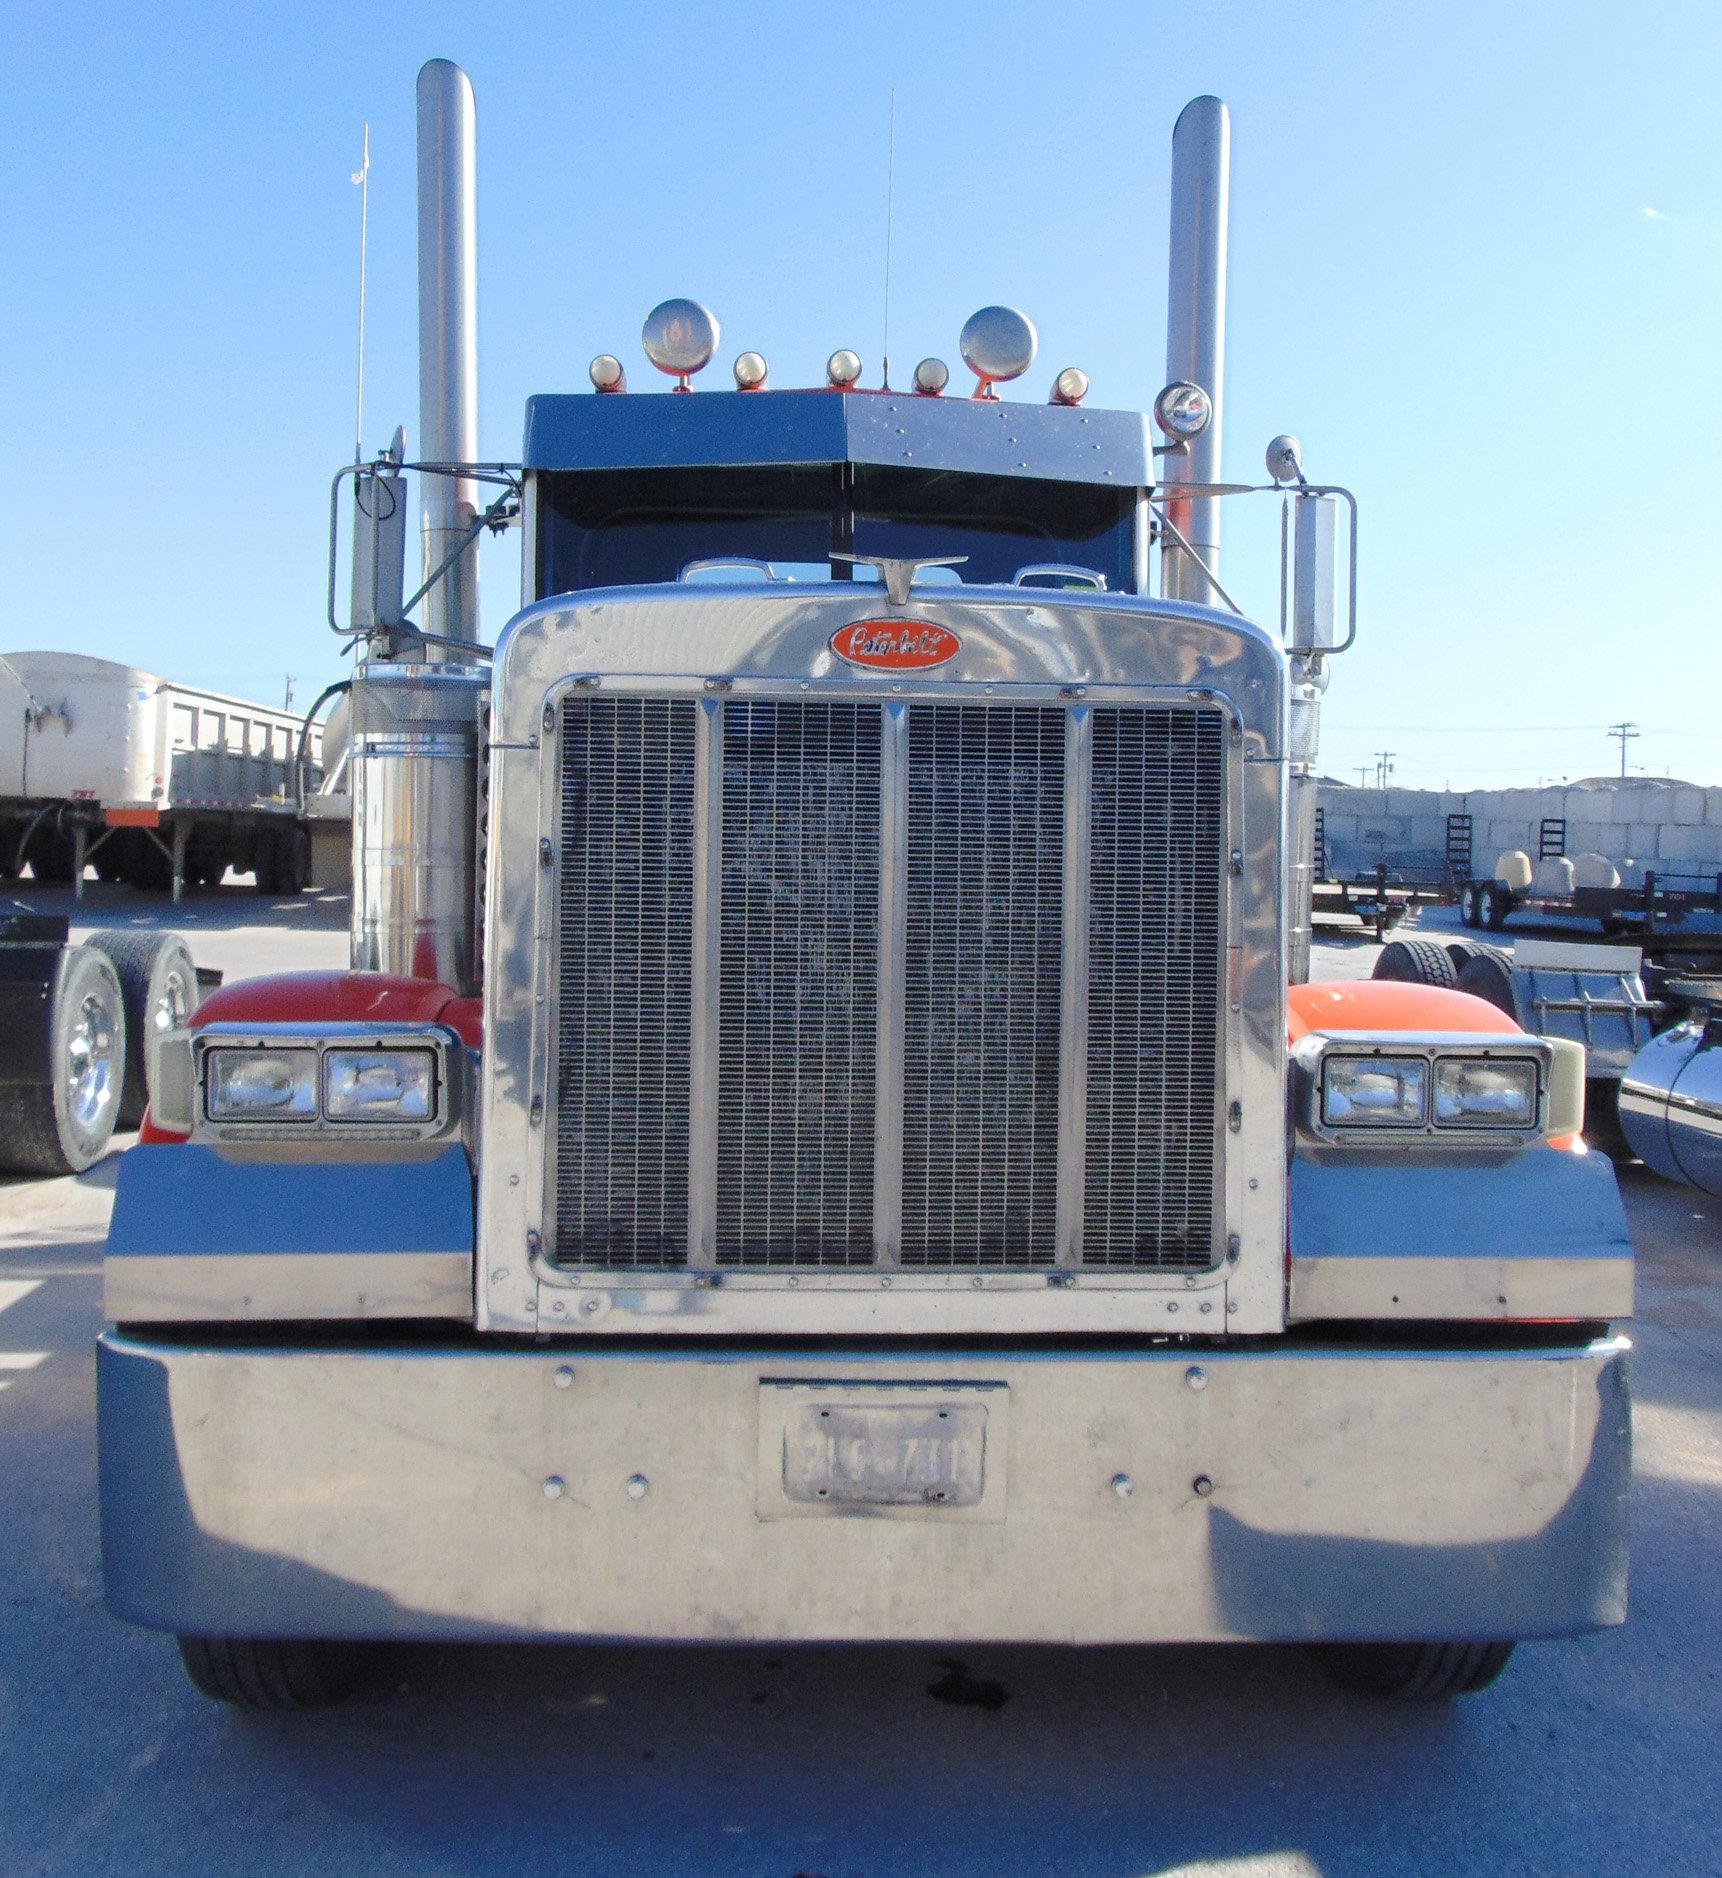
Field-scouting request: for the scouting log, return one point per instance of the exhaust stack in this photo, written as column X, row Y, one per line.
column 415, row 719
column 1196, row 334
column 448, row 344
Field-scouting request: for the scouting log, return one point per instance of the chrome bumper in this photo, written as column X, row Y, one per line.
column 1131, row 1497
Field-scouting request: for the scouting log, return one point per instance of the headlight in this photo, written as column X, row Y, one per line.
column 379, row 1086
column 1373, row 1091
column 1476, row 1094
column 262, row 1085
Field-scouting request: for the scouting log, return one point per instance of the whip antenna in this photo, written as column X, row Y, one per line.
column 890, row 197
column 362, row 177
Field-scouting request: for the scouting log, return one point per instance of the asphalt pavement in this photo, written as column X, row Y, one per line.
column 1596, row 1754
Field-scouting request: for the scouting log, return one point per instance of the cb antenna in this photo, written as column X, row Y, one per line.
column 362, row 177
column 890, row 198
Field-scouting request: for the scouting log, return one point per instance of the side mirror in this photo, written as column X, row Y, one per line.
column 379, row 549
column 1315, row 622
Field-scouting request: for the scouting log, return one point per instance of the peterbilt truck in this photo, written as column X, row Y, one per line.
column 826, row 1134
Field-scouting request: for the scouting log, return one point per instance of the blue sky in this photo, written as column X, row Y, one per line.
column 1476, row 264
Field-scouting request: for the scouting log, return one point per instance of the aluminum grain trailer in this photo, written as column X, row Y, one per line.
column 824, row 1135
column 154, row 783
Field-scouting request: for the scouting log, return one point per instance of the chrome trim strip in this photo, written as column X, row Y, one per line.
column 889, row 994
column 704, row 1013
column 1073, row 986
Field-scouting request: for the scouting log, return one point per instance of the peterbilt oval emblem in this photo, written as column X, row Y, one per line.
column 895, row 645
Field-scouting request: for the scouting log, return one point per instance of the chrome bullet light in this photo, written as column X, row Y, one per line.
column 606, row 373
column 1183, row 411
column 931, row 377
column 1070, row 386
column 843, row 369
column 998, row 343
column 680, row 337
column 750, row 372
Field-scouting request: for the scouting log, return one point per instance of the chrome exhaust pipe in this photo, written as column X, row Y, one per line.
column 1196, row 335
column 448, row 345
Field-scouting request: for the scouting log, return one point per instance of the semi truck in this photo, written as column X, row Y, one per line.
column 152, row 783
column 826, row 1133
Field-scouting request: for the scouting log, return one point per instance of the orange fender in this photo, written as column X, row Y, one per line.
column 1388, row 1004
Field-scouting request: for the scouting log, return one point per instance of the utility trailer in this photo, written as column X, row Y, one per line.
column 1585, row 886
column 826, row 1135
column 153, row 783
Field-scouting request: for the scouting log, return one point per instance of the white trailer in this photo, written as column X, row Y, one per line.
column 154, row 783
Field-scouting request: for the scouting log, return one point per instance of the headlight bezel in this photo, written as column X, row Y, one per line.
column 341, row 1040
column 1313, row 1055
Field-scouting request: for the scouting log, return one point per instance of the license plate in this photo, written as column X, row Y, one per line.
column 904, row 1452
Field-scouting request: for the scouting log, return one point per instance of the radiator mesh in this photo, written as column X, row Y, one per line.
column 623, row 984
column 798, row 971
column 1157, row 863
column 981, row 994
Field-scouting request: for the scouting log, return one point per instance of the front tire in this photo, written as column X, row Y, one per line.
column 1492, row 905
column 272, row 1674
column 1415, row 1672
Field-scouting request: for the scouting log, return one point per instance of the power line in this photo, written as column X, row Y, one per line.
column 1383, row 766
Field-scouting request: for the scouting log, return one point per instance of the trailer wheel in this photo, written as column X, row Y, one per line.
column 1418, row 1672
column 272, row 1673
column 1492, row 906
column 53, row 855
column 158, row 983
column 1468, row 914
column 63, row 1123
column 1488, row 974
column 1416, row 962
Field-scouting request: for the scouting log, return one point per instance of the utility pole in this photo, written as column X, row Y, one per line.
column 1363, row 775
column 1623, row 734
column 287, row 701
column 1383, row 766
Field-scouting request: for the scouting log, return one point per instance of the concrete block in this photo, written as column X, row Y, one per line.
column 1690, row 847
column 1688, row 806
column 1642, row 840
column 1713, row 807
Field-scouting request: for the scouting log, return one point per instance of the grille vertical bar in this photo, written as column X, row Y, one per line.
column 982, row 978
column 625, row 937
column 798, row 971
column 1157, row 851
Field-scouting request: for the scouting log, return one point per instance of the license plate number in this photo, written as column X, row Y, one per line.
column 885, row 1454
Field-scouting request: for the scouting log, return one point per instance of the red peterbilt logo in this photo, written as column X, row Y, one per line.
column 895, row 645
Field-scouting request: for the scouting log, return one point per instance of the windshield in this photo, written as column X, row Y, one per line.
column 627, row 528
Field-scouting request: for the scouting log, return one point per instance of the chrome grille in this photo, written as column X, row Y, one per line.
column 1154, row 987
column 984, row 907
column 798, row 972
column 626, row 940
column 1031, row 894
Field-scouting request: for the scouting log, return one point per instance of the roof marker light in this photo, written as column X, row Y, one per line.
column 843, row 369
column 1070, row 386
column 997, row 343
column 680, row 337
column 606, row 373
column 931, row 377
column 750, row 372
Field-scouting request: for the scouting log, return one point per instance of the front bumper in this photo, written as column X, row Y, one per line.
column 463, row 1492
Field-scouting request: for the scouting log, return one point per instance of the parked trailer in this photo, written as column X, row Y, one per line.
column 153, row 783
column 826, row 1136
column 1585, row 886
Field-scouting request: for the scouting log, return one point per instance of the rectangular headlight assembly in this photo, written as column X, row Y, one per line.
column 266, row 1081
column 1386, row 1086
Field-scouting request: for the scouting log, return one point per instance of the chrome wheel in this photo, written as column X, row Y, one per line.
column 94, row 1046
